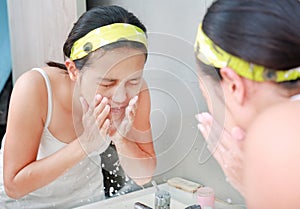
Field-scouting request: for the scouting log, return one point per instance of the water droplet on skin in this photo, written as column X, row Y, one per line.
column 102, row 165
column 109, row 155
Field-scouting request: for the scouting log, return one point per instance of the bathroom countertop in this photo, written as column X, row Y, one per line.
column 179, row 200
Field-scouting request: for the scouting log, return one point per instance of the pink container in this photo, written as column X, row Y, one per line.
column 206, row 197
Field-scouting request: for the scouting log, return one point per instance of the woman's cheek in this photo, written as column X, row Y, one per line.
column 105, row 92
column 133, row 90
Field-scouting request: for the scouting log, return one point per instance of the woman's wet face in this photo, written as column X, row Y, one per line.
column 115, row 74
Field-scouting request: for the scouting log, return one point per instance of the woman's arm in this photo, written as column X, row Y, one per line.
column 27, row 114
column 26, row 118
column 136, row 151
column 272, row 154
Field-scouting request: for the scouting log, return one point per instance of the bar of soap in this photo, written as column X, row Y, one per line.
column 184, row 184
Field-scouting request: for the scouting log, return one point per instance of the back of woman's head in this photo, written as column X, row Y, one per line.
column 266, row 33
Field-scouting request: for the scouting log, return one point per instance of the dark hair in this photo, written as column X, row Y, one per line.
column 95, row 18
column 266, row 33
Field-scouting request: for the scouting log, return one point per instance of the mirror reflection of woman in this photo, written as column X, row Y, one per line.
column 62, row 116
column 248, row 51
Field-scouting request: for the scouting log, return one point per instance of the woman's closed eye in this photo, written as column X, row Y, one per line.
column 134, row 81
column 107, row 84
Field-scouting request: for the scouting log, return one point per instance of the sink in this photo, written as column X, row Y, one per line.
column 179, row 200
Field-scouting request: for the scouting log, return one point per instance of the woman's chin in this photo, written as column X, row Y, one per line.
column 112, row 131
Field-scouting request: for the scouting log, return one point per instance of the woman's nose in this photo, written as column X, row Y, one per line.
column 120, row 95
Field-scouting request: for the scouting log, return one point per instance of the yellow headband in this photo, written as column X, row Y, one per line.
column 106, row 35
column 211, row 54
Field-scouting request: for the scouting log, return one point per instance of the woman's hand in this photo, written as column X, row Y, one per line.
column 95, row 124
column 226, row 147
column 127, row 121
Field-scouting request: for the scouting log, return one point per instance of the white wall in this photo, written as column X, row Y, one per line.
column 38, row 30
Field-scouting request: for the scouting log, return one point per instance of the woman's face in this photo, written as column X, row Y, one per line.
column 213, row 95
column 237, row 101
column 116, row 75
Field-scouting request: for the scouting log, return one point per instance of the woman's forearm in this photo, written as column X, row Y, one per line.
column 42, row 172
column 137, row 163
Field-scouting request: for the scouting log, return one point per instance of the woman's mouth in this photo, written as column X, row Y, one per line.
column 117, row 110
column 117, row 113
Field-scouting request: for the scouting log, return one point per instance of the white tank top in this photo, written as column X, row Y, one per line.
column 80, row 185
column 295, row 97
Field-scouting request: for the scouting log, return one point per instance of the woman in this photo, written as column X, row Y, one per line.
column 62, row 116
column 251, row 50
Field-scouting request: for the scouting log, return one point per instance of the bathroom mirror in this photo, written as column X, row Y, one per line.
column 171, row 75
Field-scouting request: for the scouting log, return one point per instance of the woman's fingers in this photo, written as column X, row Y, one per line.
column 210, row 129
column 133, row 100
column 98, row 111
column 93, row 104
column 225, row 146
column 238, row 133
column 131, row 109
column 126, row 123
column 102, row 116
column 128, row 119
column 84, row 105
column 96, row 124
column 104, row 129
column 100, row 106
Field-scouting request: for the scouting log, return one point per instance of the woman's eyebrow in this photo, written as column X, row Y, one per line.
column 107, row 79
column 135, row 78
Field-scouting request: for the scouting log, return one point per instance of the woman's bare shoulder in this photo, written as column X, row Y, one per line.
column 29, row 91
column 276, row 130
column 29, row 82
column 271, row 155
column 278, row 118
column 32, row 81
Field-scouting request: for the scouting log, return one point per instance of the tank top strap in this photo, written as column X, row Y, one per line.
column 49, row 91
column 295, row 97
